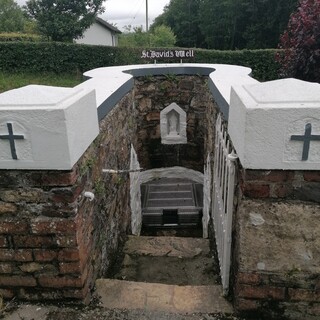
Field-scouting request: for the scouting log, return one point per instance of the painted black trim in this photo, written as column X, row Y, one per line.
column 110, row 102
column 115, row 97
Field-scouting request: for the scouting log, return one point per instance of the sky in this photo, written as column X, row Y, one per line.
column 129, row 12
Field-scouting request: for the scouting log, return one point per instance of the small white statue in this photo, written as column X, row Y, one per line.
column 173, row 124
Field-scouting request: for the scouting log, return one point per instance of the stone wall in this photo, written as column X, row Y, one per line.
column 54, row 241
column 153, row 94
column 276, row 246
column 281, row 184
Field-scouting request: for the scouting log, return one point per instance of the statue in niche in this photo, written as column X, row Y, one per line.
column 173, row 125
column 173, row 121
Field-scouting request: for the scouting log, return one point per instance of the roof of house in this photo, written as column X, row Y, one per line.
column 107, row 25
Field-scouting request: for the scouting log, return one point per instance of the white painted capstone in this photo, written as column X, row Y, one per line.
column 50, row 127
column 276, row 124
column 173, row 125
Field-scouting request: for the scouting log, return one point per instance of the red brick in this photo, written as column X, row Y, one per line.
column 13, row 227
column 153, row 116
column 56, row 211
column 69, row 255
column 66, row 195
column 70, row 267
column 311, row 176
column 253, row 190
column 53, row 226
column 60, row 282
column 6, row 267
column 3, row 242
column 45, row 255
column 262, row 292
column 6, row 293
column 15, row 255
column 33, row 241
column 18, row 281
column 269, row 175
column 246, row 305
column 304, row 295
column 283, row 191
column 66, row 241
column 249, row 278
column 59, row 178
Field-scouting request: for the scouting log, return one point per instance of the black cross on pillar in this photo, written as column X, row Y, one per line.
column 306, row 139
column 11, row 137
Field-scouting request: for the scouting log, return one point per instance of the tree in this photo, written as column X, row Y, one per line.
column 161, row 36
column 301, row 43
column 11, row 16
column 218, row 23
column 183, row 19
column 265, row 21
column 133, row 37
column 227, row 24
column 64, row 20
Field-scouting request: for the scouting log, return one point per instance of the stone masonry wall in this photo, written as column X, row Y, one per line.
column 54, row 242
column 276, row 262
column 153, row 94
column 281, row 184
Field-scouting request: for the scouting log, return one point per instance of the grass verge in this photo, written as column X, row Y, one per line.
column 10, row 81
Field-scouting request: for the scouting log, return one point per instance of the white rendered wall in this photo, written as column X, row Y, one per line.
column 266, row 119
column 97, row 35
column 55, row 126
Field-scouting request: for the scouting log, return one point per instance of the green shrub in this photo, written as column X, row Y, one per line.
column 13, row 37
column 68, row 57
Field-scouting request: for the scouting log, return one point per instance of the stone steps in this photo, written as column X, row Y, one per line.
column 149, row 296
column 170, row 195
column 160, row 297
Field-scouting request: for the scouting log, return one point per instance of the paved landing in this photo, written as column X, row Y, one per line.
column 160, row 297
column 167, row 246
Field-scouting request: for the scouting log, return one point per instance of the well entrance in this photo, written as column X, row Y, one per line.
column 172, row 203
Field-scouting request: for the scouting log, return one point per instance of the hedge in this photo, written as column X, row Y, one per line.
column 14, row 37
column 64, row 57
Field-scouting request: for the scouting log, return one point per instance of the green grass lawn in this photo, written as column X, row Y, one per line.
column 10, row 81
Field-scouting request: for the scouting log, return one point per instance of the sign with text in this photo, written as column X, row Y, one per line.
column 167, row 54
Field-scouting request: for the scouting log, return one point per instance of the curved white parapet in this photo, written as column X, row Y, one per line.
column 112, row 83
column 44, row 127
column 276, row 124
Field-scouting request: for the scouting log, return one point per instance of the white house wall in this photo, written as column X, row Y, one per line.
column 97, row 35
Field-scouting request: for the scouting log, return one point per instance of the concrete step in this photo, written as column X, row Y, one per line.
column 160, row 297
column 167, row 246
